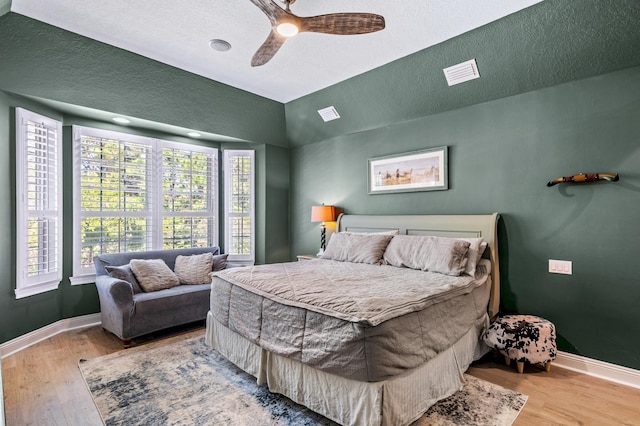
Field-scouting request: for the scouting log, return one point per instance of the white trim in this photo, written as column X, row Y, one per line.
column 19, row 343
column 48, row 204
column 83, row 279
column 228, row 155
column 600, row 369
column 36, row 289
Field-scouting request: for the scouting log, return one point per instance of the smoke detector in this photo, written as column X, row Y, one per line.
column 462, row 72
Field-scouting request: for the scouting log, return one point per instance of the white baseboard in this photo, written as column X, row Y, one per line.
column 600, row 369
column 29, row 339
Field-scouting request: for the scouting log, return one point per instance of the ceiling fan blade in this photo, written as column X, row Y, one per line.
column 268, row 49
column 343, row 23
column 269, row 8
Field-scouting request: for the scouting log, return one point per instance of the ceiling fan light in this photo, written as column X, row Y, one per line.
column 287, row 29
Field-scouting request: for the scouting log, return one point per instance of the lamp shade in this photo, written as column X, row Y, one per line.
column 323, row 213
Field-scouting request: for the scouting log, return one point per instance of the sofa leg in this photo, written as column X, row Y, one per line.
column 126, row 343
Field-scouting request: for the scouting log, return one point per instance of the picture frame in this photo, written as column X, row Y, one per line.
column 424, row 170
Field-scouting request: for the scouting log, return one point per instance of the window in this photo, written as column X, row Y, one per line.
column 133, row 193
column 188, row 198
column 38, row 203
column 239, row 171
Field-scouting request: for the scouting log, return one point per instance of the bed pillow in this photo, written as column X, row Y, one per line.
column 476, row 249
column 435, row 254
column 194, row 269
column 153, row 274
column 124, row 273
column 220, row 262
column 357, row 248
column 391, row 232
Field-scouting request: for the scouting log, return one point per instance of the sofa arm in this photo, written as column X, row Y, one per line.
column 115, row 290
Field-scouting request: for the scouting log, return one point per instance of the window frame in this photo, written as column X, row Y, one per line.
column 241, row 259
column 154, row 187
column 25, row 285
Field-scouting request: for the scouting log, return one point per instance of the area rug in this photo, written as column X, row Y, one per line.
column 187, row 383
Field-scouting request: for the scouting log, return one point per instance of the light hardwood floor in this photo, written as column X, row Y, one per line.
column 43, row 385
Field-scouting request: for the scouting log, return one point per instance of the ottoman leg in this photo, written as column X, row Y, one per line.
column 507, row 360
column 520, row 365
column 547, row 367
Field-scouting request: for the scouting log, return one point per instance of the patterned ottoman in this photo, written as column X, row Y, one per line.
column 523, row 338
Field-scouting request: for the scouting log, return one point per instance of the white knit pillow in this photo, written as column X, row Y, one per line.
column 194, row 269
column 153, row 274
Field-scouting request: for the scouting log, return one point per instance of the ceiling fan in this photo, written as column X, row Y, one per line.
column 285, row 24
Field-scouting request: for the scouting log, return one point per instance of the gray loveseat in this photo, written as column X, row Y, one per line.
column 129, row 314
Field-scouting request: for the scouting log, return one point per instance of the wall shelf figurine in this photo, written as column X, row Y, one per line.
column 585, row 177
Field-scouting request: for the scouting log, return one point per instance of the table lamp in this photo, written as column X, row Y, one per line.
column 323, row 214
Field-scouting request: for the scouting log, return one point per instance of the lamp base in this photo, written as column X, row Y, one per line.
column 321, row 252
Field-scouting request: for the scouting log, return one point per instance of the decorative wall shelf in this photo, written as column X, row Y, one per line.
column 585, row 177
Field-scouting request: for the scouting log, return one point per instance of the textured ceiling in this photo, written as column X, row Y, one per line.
column 178, row 35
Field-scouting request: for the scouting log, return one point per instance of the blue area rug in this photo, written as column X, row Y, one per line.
column 187, row 383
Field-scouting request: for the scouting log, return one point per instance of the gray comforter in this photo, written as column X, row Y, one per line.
column 363, row 322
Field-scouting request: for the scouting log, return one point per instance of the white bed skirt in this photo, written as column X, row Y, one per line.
column 397, row 401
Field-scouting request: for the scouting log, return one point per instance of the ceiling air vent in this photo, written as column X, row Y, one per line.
column 462, row 72
column 329, row 113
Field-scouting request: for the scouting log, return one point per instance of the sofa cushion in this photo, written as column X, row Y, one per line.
column 194, row 269
column 153, row 274
column 173, row 299
column 124, row 273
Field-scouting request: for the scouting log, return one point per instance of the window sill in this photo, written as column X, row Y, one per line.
column 83, row 279
column 32, row 290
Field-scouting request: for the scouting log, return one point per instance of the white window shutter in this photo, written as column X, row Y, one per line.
column 38, row 203
column 189, row 196
column 134, row 193
column 239, row 188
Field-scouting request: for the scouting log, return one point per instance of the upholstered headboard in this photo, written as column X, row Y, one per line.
column 464, row 226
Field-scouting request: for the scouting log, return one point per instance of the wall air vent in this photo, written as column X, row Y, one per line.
column 329, row 113
column 460, row 73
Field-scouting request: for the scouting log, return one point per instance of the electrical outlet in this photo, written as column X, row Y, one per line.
column 560, row 267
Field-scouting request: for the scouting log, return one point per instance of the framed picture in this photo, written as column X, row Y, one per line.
column 424, row 170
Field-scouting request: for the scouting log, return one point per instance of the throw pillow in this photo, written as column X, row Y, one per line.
column 124, row 273
column 153, row 274
column 220, row 262
column 356, row 248
column 436, row 254
column 194, row 269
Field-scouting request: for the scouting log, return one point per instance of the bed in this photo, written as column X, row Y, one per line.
column 319, row 332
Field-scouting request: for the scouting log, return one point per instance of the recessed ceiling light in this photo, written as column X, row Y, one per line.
column 194, row 134
column 219, row 45
column 121, row 120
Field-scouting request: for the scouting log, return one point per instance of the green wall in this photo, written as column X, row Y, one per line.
column 47, row 62
column 18, row 317
column 40, row 63
column 501, row 155
column 552, row 42
column 559, row 94
column 22, row 316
